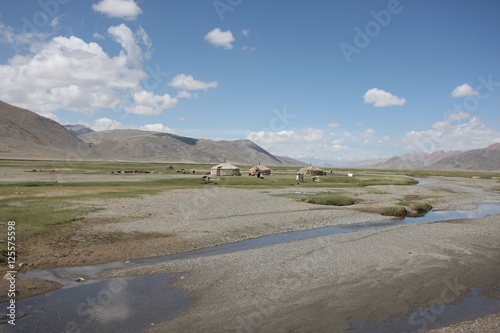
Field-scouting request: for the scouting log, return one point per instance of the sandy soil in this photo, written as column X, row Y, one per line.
column 389, row 272
column 321, row 284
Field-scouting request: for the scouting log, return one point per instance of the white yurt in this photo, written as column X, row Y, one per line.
column 262, row 168
column 313, row 171
column 225, row 169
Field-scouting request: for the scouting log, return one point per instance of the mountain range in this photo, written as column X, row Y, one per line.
column 137, row 145
column 485, row 159
column 27, row 135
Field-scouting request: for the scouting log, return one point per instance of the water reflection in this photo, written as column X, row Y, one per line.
column 113, row 305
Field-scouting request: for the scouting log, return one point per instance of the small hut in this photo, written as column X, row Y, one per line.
column 262, row 168
column 313, row 171
column 225, row 169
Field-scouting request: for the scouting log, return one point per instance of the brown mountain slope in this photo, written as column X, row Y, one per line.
column 487, row 159
column 137, row 145
column 25, row 134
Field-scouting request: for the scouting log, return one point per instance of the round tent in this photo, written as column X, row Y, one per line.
column 262, row 168
column 225, row 169
column 313, row 171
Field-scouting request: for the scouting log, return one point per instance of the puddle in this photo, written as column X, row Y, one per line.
column 436, row 314
column 146, row 299
column 112, row 305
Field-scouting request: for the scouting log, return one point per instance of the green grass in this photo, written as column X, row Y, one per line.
column 283, row 180
column 419, row 206
column 40, row 207
column 334, row 200
column 396, row 211
column 322, row 198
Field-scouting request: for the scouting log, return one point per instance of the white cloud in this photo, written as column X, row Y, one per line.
column 463, row 90
column 221, row 38
column 147, row 103
column 185, row 94
column 67, row 73
column 97, row 35
column 158, row 127
column 459, row 131
column 187, row 82
column 358, row 124
column 180, row 118
column 338, row 142
column 246, row 32
column 381, row 98
column 333, row 125
column 18, row 40
column 126, row 38
column 369, row 133
column 106, row 124
column 55, row 22
column 125, row 9
column 385, row 139
column 308, row 143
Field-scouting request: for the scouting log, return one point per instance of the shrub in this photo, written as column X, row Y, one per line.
column 419, row 206
column 397, row 211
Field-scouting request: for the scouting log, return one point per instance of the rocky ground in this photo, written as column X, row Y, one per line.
column 375, row 272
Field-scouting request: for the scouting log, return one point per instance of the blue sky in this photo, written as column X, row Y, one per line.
column 315, row 80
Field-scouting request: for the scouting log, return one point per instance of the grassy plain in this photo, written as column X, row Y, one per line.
column 39, row 206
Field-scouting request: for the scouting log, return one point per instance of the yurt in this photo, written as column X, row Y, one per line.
column 225, row 169
column 262, row 168
column 313, row 171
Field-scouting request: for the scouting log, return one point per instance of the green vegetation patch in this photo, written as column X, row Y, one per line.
column 39, row 207
column 396, row 211
column 420, row 207
column 333, row 200
column 323, row 198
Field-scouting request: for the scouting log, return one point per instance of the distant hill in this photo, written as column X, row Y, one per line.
column 395, row 162
column 486, row 159
column 25, row 134
column 78, row 129
column 421, row 160
column 137, row 145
